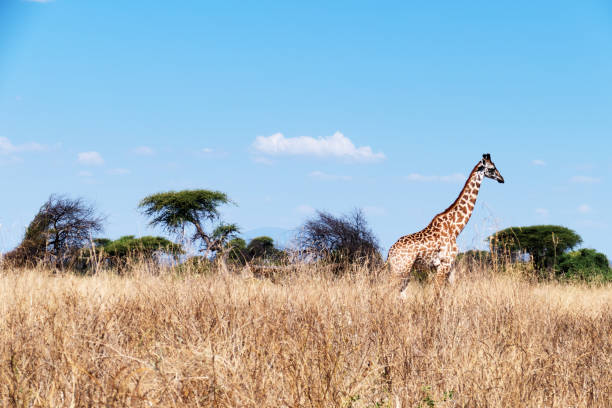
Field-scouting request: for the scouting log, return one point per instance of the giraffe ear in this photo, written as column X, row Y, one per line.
column 481, row 165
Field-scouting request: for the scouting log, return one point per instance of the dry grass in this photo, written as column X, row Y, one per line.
column 308, row 340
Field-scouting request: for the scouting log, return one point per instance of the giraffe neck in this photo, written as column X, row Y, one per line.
column 459, row 213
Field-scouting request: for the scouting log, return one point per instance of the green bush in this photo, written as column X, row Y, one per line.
column 146, row 247
column 584, row 264
column 119, row 253
column 259, row 250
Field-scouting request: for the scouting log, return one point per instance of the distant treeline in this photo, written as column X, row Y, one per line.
column 64, row 234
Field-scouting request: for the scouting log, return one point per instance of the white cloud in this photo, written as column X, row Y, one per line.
column 538, row 162
column 584, row 180
column 38, row 1
column 305, row 209
column 328, row 177
column 584, row 208
column 6, row 147
column 85, row 173
column 336, row 145
column 453, row 178
column 118, row 172
column 542, row 211
column 144, row 151
column 90, row 158
column 211, row 153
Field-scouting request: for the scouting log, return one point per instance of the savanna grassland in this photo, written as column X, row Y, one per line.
column 155, row 338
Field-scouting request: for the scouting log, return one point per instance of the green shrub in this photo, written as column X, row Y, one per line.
column 146, row 247
column 584, row 264
column 121, row 252
column 260, row 250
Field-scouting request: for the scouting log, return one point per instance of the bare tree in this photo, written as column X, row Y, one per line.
column 344, row 239
column 61, row 228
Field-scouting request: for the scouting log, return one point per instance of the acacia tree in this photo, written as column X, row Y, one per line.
column 176, row 210
column 57, row 233
column 544, row 243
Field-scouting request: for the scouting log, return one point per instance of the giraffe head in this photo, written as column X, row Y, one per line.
column 487, row 167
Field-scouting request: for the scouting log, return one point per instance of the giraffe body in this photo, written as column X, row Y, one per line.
column 435, row 246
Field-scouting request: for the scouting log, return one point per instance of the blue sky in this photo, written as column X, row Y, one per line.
column 292, row 107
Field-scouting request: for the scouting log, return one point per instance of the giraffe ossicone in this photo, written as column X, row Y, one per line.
column 436, row 245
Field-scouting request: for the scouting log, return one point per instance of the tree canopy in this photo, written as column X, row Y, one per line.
column 260, row 249
column 544, row 243
column 175, row 210
column 222, row 235
column 57, row 233
column 261, row 246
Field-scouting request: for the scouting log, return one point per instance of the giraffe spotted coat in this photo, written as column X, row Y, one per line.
column 435, row 247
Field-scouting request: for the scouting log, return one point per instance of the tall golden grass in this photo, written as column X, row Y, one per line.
column 156, row 338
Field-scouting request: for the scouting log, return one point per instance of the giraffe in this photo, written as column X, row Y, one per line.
column 436, row 245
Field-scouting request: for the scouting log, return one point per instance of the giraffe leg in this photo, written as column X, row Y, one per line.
column 445, row 268
column 450, row 278
column 452, row 273
column 406, row 279
column 405, row 283
column 443, row 272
